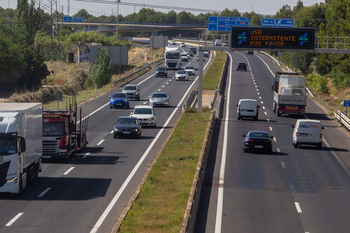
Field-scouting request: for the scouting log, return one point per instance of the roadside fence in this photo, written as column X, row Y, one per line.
column 343, row 119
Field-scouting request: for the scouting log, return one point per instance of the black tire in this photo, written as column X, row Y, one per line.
column 319, row 146
column 110, row 107
column 278, row 113
column 115, row 136
column 295, row 145
column 238, row 117
column 274, row 107
column 245, row 150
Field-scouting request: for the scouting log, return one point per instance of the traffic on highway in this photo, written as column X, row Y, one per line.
column 88, row 192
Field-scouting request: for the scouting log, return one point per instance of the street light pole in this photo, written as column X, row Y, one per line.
column 118, row 1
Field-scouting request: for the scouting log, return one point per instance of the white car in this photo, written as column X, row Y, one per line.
column 159, row 99
column 190, row 70
column 307, row 132
column 184, row 57
column 248, row 108
column 182, row 44
column 145, row 115
column 181, row 75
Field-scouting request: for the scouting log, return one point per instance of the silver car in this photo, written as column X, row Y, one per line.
column 190, row 70
column 132, row 91
column 159, row 99
column 181, row 75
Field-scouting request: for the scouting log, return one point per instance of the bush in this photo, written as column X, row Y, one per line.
column 317, row 83
column 340, row 79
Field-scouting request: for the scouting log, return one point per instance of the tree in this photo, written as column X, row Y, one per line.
column 28, row 20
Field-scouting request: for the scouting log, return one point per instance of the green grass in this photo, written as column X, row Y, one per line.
column 161, row 204
column 212, row 77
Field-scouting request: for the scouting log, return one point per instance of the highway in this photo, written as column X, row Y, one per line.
column 90, row 191
column 293, row 190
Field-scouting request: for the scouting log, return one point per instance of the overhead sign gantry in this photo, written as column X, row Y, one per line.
column 273, row 38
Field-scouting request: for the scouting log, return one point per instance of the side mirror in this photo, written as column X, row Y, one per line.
column 22, row 144
column 271, row 137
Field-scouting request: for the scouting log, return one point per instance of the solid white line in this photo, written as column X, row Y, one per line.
column 14, row 219
column 86, row 155
column 44, row 192
column 100, row 142
column 133, row 172
column 220, row 201
column 298, row 207
column 68, row 171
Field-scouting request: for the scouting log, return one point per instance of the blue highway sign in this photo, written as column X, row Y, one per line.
column 222, row 23
column 265, row 22
column 346, row 103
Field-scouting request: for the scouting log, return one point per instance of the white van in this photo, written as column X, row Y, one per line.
column 307, row 132
column 218, row 42
column 248, row 108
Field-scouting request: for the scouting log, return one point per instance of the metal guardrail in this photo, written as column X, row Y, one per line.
column 141, row 71
column 343, row 119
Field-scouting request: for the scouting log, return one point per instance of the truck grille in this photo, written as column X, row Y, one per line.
column 50, row 147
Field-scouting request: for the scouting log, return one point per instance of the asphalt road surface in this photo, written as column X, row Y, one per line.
column 89, row 192
column 293, row 190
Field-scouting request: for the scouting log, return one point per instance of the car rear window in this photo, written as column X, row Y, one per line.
column 119, row 95
column 143, row 111
column 258, row 135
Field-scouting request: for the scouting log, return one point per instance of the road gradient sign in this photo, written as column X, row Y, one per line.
column 273, row 38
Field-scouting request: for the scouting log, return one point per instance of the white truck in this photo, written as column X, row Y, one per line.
column 20, row 145
column 173, row 57
column 289, row 94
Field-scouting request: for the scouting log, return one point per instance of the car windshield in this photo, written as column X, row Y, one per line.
column 8, row 146
column 172, row 55
column 127, row 121
column 142, row 111
column 189, row 68
column 157, row 95
column 119, row 95
column 181, row 72
column 130, row 88
column 161, row 68
column 53, row 128
column 241, row 64
column 258, row 135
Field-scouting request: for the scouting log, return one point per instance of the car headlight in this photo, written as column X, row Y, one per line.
column 136, row 130
column 116, row 129
column 151, row 118
column 125, row 101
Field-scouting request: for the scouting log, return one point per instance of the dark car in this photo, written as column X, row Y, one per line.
column 161, row 71
column 127, row 126
column 193, row 50
column 241, row 66
column 250, row 52
column 257, row 141
column 119, row 100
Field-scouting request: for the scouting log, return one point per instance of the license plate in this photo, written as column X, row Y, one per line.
column 258, row 147
column 126, row 132
column 291, row 108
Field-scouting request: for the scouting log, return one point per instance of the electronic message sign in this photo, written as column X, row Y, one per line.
column 273, row 38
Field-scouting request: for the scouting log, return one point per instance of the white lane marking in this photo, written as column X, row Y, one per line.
column 44, row 192
column 14, row 219
column 262, row 102
column 159, row 89
column 145, row 154
column 298, row 207
column 283, row 165
column 100, row 142
column 86, row 155
column 111, row 131
column 274, row 139
column 264, row 107
column 270, row 128
column 220, row 201
column 268, row 120
column 278, row 150
column 265, row 113
column 257, row 89
column 68, row 171
column 259, row 97
column 258, row 93
column 163, row 86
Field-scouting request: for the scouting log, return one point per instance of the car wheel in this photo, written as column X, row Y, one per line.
column 256, row 118
column 278, row 113
column 319, row 146
column 115, row 136
column 244, row 150
column 295, row 145
column 110, row 107
column 238, row 117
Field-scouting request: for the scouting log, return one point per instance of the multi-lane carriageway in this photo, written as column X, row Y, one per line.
column 293, row 190
column 90, row 191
